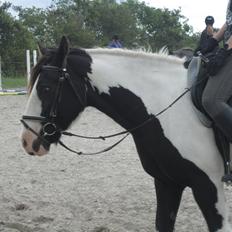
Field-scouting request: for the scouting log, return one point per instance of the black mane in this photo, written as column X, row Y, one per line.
column 81, row 58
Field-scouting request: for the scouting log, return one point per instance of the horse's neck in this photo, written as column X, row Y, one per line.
column 136, row 84
column 144, row 75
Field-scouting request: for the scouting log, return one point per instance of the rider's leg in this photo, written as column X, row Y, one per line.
column 215, row 97
column 229, row 43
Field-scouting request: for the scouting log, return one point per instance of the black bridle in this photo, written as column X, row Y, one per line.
column 49, row 127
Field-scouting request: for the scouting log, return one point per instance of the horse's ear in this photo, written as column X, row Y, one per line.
column 62, row 52
column 41, row 49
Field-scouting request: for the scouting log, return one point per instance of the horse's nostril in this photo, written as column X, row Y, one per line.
column 24, row 143
column 31, row 153
column 35, row 145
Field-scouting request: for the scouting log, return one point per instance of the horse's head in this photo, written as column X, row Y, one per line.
column 58, row 95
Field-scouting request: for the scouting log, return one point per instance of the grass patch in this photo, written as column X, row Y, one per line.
column 14, row 82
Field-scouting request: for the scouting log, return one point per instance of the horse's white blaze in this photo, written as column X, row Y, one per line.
column 158, row 81
column 33, row 108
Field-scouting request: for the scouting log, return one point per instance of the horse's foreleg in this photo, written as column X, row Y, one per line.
column 211, row 200
column 168, row 201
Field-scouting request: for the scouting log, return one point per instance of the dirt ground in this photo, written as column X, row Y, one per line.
column 62, row 192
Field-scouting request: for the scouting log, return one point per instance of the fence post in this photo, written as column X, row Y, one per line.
column 28, row 60
column 0, row 74
column 34, row 57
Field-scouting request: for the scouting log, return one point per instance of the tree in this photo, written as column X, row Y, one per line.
column 108, row 18
column 161, row 27
column 15, row 39
column 35, row 19
column 62, row 18
column 68, row 19
column 93, row 23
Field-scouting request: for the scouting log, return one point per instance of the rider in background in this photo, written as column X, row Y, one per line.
column 115, row 42
column 207, row 33
column 218, row 89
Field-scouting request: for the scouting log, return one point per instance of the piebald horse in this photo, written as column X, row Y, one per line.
column 132, row 87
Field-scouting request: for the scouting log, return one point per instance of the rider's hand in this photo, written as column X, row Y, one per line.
column 210, row 45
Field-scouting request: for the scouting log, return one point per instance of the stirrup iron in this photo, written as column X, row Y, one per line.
column 227, row 178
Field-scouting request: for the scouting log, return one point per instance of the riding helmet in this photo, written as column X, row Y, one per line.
column 209, row 20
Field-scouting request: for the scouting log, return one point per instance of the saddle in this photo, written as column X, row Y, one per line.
column 197, row 77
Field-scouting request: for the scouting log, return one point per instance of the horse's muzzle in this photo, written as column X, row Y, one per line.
column 33, row 145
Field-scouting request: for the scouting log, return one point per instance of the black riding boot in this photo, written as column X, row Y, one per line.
column 224, row 122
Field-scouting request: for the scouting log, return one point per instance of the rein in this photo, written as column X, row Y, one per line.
column 132, row 129
column 50, row 128
column 203, row 58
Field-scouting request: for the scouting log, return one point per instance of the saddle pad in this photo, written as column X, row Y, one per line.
column 193, row 76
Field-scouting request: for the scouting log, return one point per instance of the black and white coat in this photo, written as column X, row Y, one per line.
column 174, row 148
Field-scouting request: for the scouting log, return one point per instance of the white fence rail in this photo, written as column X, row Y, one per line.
column 28, row 66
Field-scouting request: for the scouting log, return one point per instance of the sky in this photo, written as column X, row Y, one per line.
column 195, row 11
